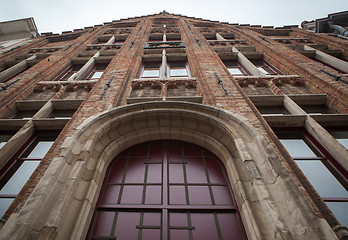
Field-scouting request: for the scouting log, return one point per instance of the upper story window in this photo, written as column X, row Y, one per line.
column 265, row 67
column 235, row 68
column 70, row 72
column 97, row 71
column 327, row 177
column 177, row 69
column 151, row 70
column 18, row 170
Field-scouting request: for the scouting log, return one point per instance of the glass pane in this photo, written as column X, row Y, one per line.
column 195, row 171
column 178, row 219
column 262, row 70
column 153, row 195
column 152, row 219
column 116, row 174
column 4, row 205
column 297, row 148
column 222, row 195
column 132, row 194
column 176, row 173
column 150, row 73
column 140, row 151
column 341, row 136
column 96, row 75
column 111, row 194
column 103, row 223
column 40, row 149
column 156, row 152
column 199, row 195
column 322, row 179
column 179, row 234
column 3, row 139
column 178, row 72
column 135, row 171
column 215, row 172
column 235, row 71
column 229, row 226
column 344, row 142
column 340, row 209
column 151, row 234
column 126, row 225
column 205, row 227
column 177, row 195
column 19, row 178
column 154, row 173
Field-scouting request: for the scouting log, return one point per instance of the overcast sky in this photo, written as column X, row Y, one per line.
column 64, row 15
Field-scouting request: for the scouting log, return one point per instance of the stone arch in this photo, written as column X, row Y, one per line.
column 71, row 185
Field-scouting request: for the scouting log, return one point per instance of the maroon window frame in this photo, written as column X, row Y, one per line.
column 166, row 190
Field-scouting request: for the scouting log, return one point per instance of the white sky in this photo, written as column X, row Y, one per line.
column 64, row 15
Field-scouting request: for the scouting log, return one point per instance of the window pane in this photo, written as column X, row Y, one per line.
column 103, row 223
column 135, row 171
column 178, row 72
column 154, row 173
column 262, row 70
column 96, row 75
column 297, row 148
column 235, row 71
column 126, row 225
column 153, row 195
column 21, row 176
column 3, row 139
column 2, row 144
column 150, row 73
column 199, row 195
column 111, row 194
column 341, row 136
column 340, row 209
column 344, row 142
column 176, row 173
column 205, row 227
column 322, row 179
column 151, row 234
column 4, row 205
column 229, row 226
column 222, row 195
column 177, row 195
column 152, row 219
column 40, row 150
column 132, row 194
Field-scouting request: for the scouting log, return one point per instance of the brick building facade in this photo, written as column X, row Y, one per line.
column 172, row 127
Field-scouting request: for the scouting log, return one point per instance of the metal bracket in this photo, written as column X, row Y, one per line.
column 221, row 83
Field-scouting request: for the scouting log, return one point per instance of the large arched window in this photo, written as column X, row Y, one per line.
column 166, row 190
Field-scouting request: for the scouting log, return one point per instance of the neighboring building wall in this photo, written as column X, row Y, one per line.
column 172, row 77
